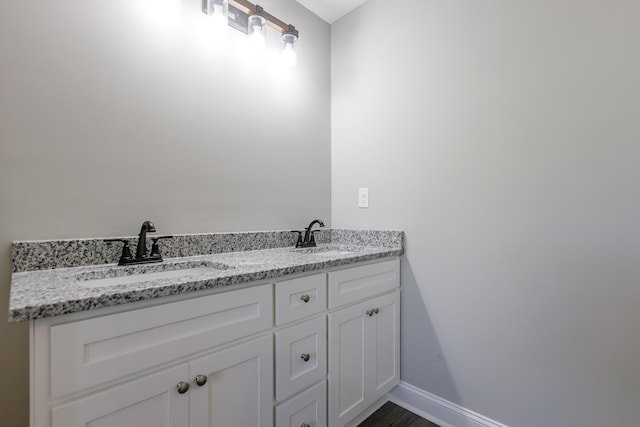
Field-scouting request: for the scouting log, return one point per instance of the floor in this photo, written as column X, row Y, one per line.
column 392, row 415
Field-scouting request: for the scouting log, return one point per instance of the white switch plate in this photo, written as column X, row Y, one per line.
column 363, row 197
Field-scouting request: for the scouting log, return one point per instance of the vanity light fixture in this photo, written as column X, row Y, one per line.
column 252, row 20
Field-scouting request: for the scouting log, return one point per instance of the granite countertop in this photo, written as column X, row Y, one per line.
column 50, row 292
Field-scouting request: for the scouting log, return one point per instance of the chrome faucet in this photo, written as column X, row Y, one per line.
column 309, row 239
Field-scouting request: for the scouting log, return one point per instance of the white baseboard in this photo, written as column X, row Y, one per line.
column 437, row 409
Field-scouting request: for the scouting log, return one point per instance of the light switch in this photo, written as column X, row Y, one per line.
column 363, row 197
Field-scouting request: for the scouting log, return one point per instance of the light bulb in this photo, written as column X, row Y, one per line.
column 257, row 38
column 289, row 56
column 219, row 16
column 216, row 8
column 257, row 30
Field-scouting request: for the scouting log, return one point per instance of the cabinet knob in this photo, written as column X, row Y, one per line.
column 305, row 298
column 201, row 380
column 183, row 387
column 305, row 357
column 305, row 425
column 372, row 311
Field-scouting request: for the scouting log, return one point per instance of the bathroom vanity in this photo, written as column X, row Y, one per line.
column 284, row 337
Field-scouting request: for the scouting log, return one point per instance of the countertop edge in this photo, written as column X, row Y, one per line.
column 26, row 312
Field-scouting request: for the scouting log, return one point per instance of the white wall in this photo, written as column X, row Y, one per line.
column 504, row 138
column 119, row 111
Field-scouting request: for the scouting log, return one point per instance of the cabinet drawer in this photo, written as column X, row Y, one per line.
column 301, row 357
column 308, row 407
column 90, row 352
column 354, row 284
column 299, row 298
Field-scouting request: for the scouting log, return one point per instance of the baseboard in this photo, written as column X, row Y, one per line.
column 437, row 409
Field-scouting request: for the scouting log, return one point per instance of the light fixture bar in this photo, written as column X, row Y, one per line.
column 239, row 10
column 250, row 8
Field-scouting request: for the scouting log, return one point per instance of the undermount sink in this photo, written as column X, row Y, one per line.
column 117, row 275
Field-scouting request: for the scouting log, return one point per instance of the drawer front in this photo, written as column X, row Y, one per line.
column 299, row 298
column 354, row 284
column 90, row 352
column 308, row 407
column 301, row 357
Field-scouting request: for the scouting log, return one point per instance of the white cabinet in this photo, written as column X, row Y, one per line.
column 124, row 368
column 364, row 355
column 301, row 352
column 210, row 360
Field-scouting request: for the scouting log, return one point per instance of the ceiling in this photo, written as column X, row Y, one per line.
column 331, row 10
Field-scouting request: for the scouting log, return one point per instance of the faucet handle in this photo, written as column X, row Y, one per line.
column 312, row 240
column 299, row 242
column 126, row 251
column 155, row 248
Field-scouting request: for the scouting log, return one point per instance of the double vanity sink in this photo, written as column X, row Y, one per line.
column 237, row 329
column 49, row 282
column 181, row 270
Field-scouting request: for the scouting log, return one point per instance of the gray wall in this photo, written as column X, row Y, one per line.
column 504, row 138
column 118, row 111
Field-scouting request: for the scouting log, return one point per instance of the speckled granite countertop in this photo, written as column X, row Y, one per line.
column 38, row 293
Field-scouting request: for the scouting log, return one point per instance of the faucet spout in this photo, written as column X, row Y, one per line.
column 308, row 236
column 141, row 250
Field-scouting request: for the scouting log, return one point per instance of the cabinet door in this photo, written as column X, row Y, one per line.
column 347, row 353
column 383, row 364
column 239, row 386
column 364, row 356
column 151, row 401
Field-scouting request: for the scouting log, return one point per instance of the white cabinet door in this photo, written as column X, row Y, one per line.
column 347, row 353
column 383, row 369
column 239, row 386
column 151, row 401
column 364, row 356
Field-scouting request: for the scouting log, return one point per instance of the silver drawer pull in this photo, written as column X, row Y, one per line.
column 305, row 298
column 183, row 387
column 305, row 357
column 201, row 380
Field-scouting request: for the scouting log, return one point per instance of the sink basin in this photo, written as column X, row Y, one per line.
column 124, row 275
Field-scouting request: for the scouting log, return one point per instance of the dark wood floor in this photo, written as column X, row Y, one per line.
column 392, row 415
